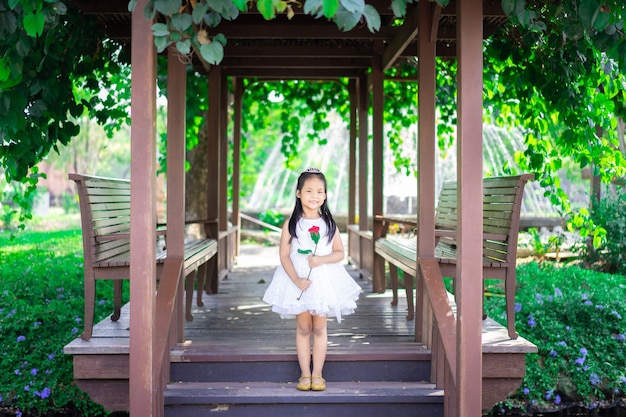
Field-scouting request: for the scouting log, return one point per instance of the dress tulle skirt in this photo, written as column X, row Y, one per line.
column 333, row 292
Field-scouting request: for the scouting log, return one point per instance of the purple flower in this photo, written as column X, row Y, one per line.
column 526, row 391
column 594, row 379
column 51, row 356
column 518, row 307
column 584, row 296
column 580, row 361
column 588, row 303
column 18, row 413
column 77, row 319
column 17, row 372
column 531, row 321
column 33, row 371
column 553, row 353
column 562, row 343
column 74, row 330
column 45, row 393
column 558, row 292
column 616, row 314
column 37, row 324
column 583, row 351
column 568, row 328
column 549, row 394
column 27, row 388
column 621, row 337
column 539, row 298
column 622, row 379
column 549, row 298
column 557, row 399
column 600, row 307
column 21, row 338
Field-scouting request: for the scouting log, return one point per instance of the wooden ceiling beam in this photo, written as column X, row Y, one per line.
column 293, row 30
column 233, row 50
column 311, row 62
column 406, row 35
column 292, row 74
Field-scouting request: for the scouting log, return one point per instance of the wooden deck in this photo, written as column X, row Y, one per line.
column 237, row 326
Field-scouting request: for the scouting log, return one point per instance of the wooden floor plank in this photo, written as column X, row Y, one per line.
column 237, row 321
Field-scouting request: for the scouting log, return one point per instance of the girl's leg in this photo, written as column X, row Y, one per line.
column 320, row 346
column 304, row 325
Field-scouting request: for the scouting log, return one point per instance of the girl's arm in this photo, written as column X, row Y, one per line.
column 284, row 251
column 335, row 256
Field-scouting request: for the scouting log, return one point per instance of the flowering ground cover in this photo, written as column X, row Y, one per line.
column 577, row 319
column 41, row 304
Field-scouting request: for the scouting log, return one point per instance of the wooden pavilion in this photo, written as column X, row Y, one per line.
column 307, row 48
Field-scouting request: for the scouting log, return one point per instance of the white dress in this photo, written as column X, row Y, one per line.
column 333, row 292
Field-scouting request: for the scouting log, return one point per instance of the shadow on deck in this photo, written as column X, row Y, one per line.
column 235, row 333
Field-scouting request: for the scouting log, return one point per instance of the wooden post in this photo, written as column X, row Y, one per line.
column 363, row 92
column 352, row 152
column 213, row 174
column 469, row 280
column 426, row 155
column 223, row 137
column 176, row 105
column 238, row 105
column 377, row 162
column 143, row 378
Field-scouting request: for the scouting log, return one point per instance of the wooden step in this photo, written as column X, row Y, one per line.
column 259, row 399
column 202, row 365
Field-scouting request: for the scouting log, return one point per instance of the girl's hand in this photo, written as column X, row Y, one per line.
column 314, row 261
column 303, row 284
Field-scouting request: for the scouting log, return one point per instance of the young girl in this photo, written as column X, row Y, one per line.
column 310, row 283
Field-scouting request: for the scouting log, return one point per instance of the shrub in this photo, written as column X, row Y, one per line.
column 609, row 213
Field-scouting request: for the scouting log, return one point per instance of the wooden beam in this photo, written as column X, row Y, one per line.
column 331, row 50
column 378, row 172
column 293, row 30
column 284, row 62
column 434, row 23
column 293, row 74
column 406, row 35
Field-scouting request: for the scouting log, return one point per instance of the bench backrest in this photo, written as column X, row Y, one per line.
column 502, row 200
column 104, row 210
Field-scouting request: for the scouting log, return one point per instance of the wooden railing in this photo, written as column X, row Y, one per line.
column 167, row 322
column 438, row 331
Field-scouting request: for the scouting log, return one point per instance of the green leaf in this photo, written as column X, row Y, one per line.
column 160, row 29
column 184, row 47
column 304, row 251
column 355, row 6
column 398, row 7
column 330, row 8
column 182, row 22
column 372, row 18
column 33, row 24
column 13, row 4
column 212, row 19
column 220, row 38
column 266, row 8
column 167, row 7
column 231, row 12
column 161, row 42
column 212, row 53
column 199, row 11
column 313, row 7
column 131, row 5
column 345, row 20
column 5, row 69
column 241, row 5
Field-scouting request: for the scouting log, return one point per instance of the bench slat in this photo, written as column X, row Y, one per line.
column 105, row 217
column 502, row 198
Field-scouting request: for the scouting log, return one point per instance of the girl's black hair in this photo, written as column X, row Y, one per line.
column 324, row 211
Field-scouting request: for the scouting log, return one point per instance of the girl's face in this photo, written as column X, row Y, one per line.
column 313, row 194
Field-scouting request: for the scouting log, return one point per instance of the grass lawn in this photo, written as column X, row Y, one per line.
column 576, row 317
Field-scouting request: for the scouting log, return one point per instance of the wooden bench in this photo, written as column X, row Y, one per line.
column 105, row 220
column 502, row 200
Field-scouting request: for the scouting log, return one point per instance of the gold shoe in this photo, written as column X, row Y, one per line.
column 318, row 386
column 304, row 383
